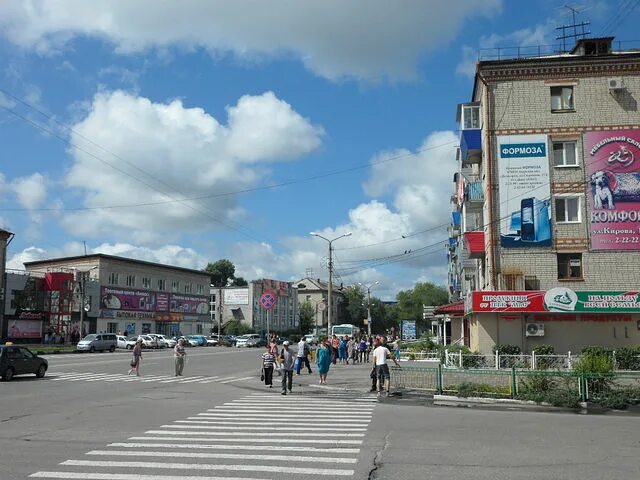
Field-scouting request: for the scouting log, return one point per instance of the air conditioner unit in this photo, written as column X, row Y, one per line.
column 534, row 330
column 615, row 83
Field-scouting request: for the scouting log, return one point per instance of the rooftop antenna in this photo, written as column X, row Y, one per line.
column 309, row 273
column 579, row 28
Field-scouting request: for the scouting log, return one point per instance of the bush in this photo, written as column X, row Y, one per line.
column 558, row 398
column 595, row 350
column 544, row 363
column 423, row 345
column 597, row 365
column 237, row 328
column 544, row 350
column 628, row 358
column 620, row 399
column 507, row 350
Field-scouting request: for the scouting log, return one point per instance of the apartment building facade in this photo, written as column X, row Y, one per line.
column 544, row 243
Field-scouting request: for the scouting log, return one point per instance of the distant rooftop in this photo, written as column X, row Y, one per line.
column 584, row 47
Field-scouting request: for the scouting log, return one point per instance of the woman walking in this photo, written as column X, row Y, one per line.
column 178, row 357
column 324, row 361
column 342, row 349
column 268, row 362
column 135, row 360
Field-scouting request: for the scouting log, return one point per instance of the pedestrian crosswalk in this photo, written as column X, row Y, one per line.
column 162, row 379
column 259, row 436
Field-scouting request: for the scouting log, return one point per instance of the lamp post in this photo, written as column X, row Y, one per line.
column 369, row 287
column 330, row 286
column 81, row 286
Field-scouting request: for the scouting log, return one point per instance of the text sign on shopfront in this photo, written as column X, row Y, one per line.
column 560, row 299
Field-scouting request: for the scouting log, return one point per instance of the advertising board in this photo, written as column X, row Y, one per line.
column 612, row 163
column 122, row 299
column 236, row 296
column 408, row 330
column 525, row 191
column 188, row 304
column 24, row 329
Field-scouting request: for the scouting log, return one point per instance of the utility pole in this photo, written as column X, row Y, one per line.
column 369, row 287
column 82, row 286
column 330, row 286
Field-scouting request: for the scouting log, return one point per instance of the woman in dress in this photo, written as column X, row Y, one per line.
column 324, row 361
column 135, row 360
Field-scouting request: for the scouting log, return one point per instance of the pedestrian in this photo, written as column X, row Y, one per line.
column 396, row 349
column 324, row 360
column 137, row 356
column 342, row 350
column 302, row 356
column 335, row 343
column 273, row 345
column 179, row 354
column 286, row 366
column 379, row 364
column 350, row 349
column 362, row 350
column 268, row 362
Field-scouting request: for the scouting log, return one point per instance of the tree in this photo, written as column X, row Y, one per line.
column 221, row 272
column 410, row 302
column 239, row 282
column 307, row 319
column 235, row 327
column 355, row 309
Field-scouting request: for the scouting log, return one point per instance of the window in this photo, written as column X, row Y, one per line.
column 470, row 116
column 562, row 99
column 112, row 327
column 568, row 210
column 200, row 289
column 569, row 266
column 175, row 286
column 199, row 329
column 531, row 282
column 146, row 282
column 113, row 279
column 130, row 281
column 162, row 284
column 187, row 287
column 564, row 154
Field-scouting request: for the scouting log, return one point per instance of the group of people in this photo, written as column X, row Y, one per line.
column 285, row 361
column 179, row 356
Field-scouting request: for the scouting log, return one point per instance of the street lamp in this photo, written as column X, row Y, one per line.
column 330, row 293
column 81, row 285
column 369, row 287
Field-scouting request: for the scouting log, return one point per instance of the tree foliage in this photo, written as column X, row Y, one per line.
column 410, row 302
column 307, row 319
column 221, row 272
column 239, row 282
column 355, row 310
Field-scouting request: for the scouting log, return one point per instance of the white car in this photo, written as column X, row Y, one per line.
column 169, row 341
column 248, row 340
column 122, row 341
column 212, row 341
column 160, row 341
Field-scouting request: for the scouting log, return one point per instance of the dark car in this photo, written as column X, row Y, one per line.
column 281, row 340
column 15, row 360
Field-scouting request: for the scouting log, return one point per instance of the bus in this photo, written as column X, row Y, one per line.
column 344, row 330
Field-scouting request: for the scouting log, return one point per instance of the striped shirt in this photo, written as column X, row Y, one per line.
column 268, row 359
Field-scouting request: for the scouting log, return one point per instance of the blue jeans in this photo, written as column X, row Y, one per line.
column 301, row 361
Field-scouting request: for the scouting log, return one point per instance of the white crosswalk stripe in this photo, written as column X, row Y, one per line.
column 268, row 437
column 123, row 377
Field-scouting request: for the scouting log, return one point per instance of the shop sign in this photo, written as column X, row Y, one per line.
column 525, row 191
column 137, row 315
column 188, row 304
column 122, row 299
column 560, row 299
column 169, row 317
column 31, row 316
column 24, row 329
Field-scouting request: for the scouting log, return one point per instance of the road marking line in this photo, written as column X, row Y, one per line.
column 232, row 447
column 209, row 466
column 210, row 380
column 224, row 379
column 192, row 379
column 318, row 410
column 249, row 422
column 260, row 427
column 238, row 379
column 228, row 456
column 250, row 439
column 235, row 434
column 127, row 476
column 290, row 416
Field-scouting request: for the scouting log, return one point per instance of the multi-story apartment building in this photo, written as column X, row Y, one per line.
column 129, row 296
column 242, row 304
column 545, row 235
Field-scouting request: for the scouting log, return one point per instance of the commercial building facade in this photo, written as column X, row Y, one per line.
column 122, row 295
column 544, row 244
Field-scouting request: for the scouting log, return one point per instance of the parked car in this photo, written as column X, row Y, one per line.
column 15, row 360
column 200, row 339
column 311, row 339
column 212, row 341
column 98, row 342
column 188, row 341
column 280, row 340
column 248, row 340
column 230, row 338
column 121, row 341
column 169, row 341
column 131, row 342
column 160, row 342
column 147, row 341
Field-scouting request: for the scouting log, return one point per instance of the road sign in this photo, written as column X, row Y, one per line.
column 268, row 300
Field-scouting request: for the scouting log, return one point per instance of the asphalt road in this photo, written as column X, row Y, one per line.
column 87, row 419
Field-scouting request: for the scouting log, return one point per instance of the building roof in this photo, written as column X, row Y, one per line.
column 311, row 284
column 99, row 256
column 456, row 308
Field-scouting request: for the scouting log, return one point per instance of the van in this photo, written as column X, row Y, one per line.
column 248, row 340
column 98, row 342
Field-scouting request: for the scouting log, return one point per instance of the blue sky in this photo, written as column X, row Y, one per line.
column 210, row 129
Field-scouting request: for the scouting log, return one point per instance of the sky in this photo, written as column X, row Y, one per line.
column 186, row 132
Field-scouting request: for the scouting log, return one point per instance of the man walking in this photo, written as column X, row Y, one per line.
column 379, row 362
column 179, row 354
column 303, row 352
column 286, row 366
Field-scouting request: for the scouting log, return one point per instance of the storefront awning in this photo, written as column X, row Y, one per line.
column 456, row 309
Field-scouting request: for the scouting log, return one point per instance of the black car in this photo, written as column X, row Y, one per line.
column 15, row 360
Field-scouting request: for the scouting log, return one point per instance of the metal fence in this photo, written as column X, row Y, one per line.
column 514, row 383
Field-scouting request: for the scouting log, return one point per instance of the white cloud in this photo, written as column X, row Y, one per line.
column 171, row 148
column 31, row 191
column 369, row 39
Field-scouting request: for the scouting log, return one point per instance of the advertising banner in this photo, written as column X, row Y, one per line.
column 236, row 296
column 162, row 302
column 560, row 299
column 408, row 329
column 525, row 191
column 121, row 299
column 612, row 163
column 189, row 304
column 24, row 329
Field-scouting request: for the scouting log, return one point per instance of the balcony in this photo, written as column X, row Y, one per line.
column 474, row 244
column 470, row 146
column 474, row 192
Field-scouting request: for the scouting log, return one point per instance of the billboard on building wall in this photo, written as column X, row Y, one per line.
column 236, row 296
column 525, row 191
column 24, row 329
column 559, row 299
column 612, row 163
column 188, row 304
